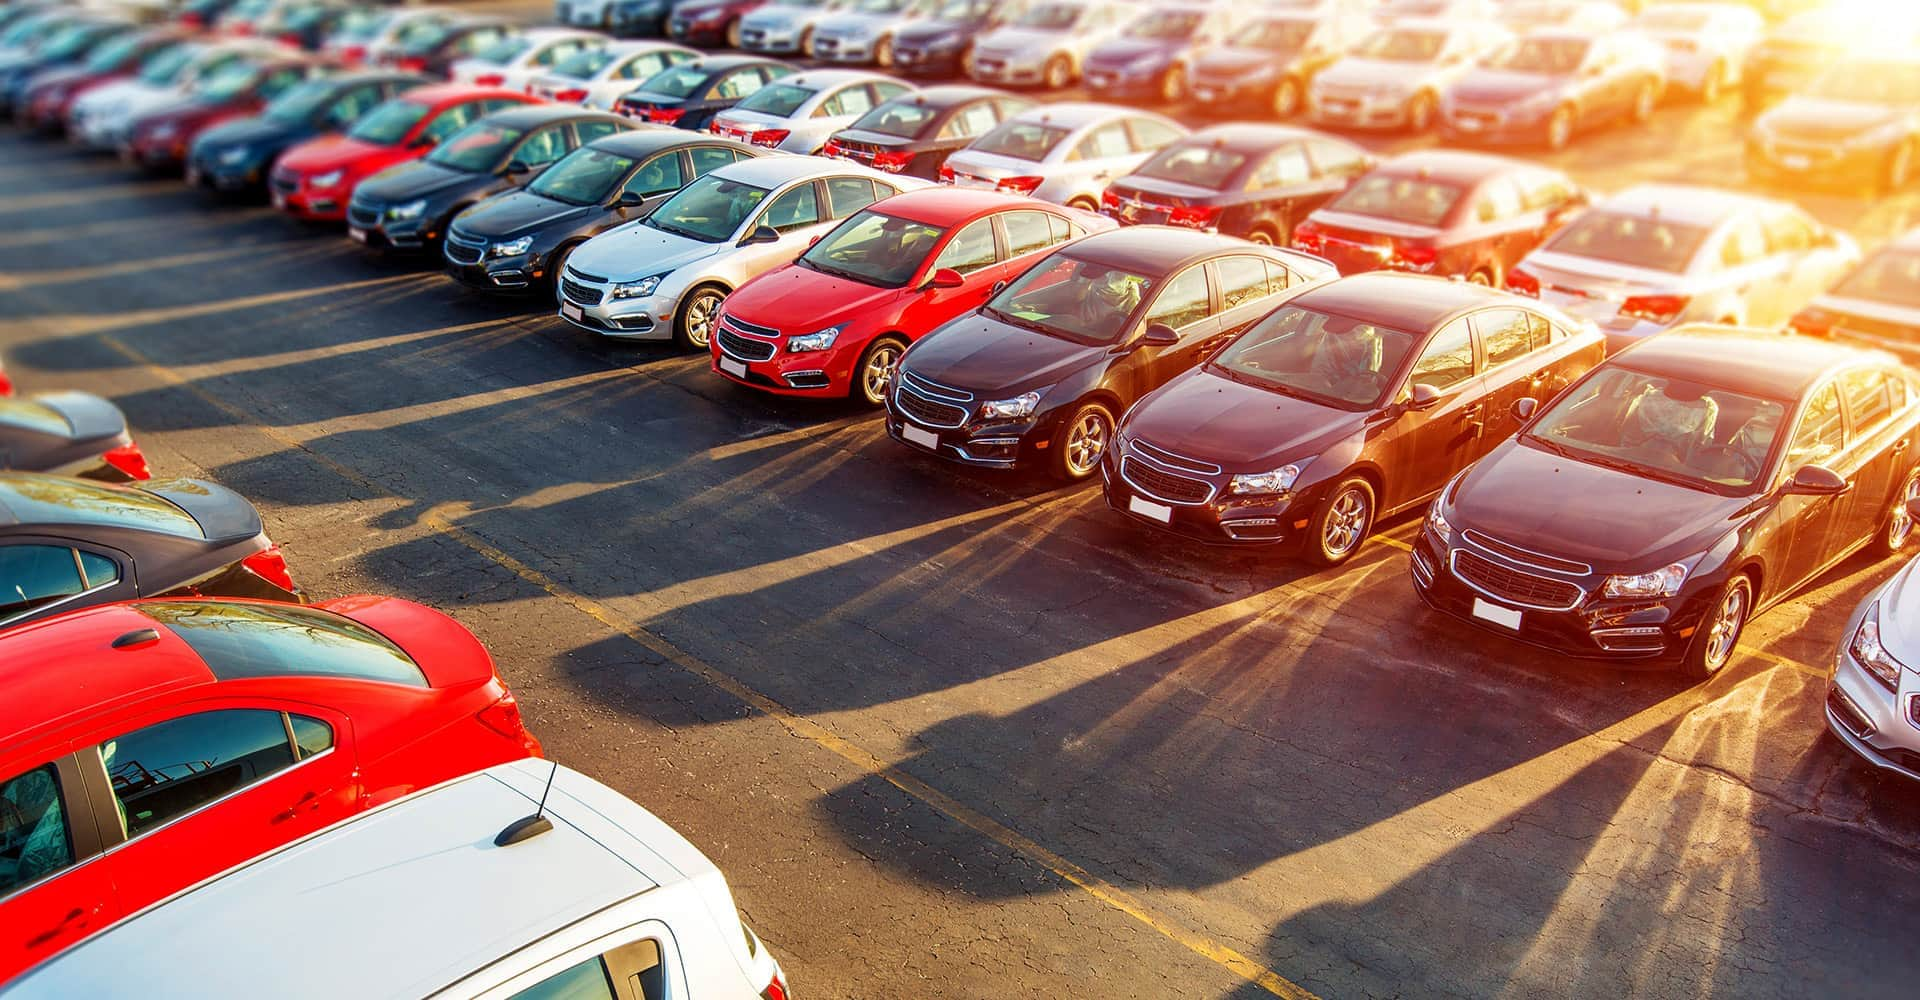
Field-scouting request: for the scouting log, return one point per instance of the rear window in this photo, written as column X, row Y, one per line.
column 32, row 416
column 780, row 100
column 1401, row 199
column 240, row 641
column 901, row 119
column 1634, row 240
column 54, row 500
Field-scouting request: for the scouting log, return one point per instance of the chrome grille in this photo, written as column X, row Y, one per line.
column 754, row 329
column 464, row 250
column 1527, row 557
column 743, row 348
column 586, row 295
column 934, row 390
column 363, row 216
column 1174, row 460
column 1163, row 485
column 1513, row 586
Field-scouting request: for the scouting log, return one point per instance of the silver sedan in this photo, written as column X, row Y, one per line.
column 799, row 113
column 1873, row 693
column 1063, row 153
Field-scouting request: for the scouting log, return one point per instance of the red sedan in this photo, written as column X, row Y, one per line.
column 45, row 103
column 315, row 179
column 834, row 322
column 149, row 746
column 160, row 138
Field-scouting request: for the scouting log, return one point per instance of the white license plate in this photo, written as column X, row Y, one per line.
column 925, row 439
column 1099, row 81
column 279, row 200
column 357, row 235
column 1796, row 161
column 1206, row 93
column 1146, row 508
column 571, row 311
column 737, row 369
column 1504, row 617
column 193, row 176
column 1468, row 125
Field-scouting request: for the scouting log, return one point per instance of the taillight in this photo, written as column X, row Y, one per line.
column 770, row 137
column 354, row 54
column 1812, row 322
column 1414, row 258
column 412, row 64
column 1019, row 185
column 6, row 385
column 128, row 459
column 1654, row 308
column 570, row 96
column 1194, row 216
column 946, row 174
column 503, row 717
column 776, row 990
column 193, row 20
column 1308, row 236
column 833, row 148
column 289, row 38
column 489, row 80
column 1110, row 199
column 270, row 565
column 664, row 116
column 1522, row 282
column 892, row 161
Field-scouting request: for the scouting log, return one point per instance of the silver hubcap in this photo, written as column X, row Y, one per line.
column 1559, row 129
column 879, row 373
column 1900, row 167
column 1175, row 84
column 1086, row 443
column 1900, row 525
column 1286, row 100
column 1345, row 522
column 1643, row 104
column 1726, row 626
column 1479, row 278
column 700, row 313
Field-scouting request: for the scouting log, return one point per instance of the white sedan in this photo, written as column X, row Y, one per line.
column 513, row 61
column 597, row 76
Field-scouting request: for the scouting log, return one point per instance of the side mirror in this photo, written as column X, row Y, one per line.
column 1524, row 408
column 815, row 241
column 630, row 199
column 516, row 168
column 946, row 277
column 1815, row 481
column 1422, row 397
column 760, row 234
column 1160, row 335
column 421, row 142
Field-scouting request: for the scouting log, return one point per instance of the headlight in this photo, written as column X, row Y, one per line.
column 817, row 341
column 1866, row 649
column 1662, row 582
column 416, row 209
column 1017, row 408
column 1278, row 481
column 511, row 248
column 635, row 289
column 327, row 180
column 233, row 157
column 1437, row 523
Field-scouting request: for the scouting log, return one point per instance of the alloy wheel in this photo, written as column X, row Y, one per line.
column 733, row 34
column 1899, row 522
column 1420, row 112
column 1559, row 129
column 883, row 52
column 1346, row 523
column 1286, row 98
column 1728, row 619
column 1643, row 102
column 1086, row 442
column 1480, row 277
column 877, row 376
column 1173, row 86
column 1058, row 73
column 1899, row 167
column 701, row 313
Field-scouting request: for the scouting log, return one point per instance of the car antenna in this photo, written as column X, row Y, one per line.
column 529, row 827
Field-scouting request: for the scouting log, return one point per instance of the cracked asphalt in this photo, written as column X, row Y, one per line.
column 956, row 735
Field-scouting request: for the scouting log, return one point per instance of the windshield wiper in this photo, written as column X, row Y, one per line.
column 1012, row 320
column 668, row 227
column 833, row 271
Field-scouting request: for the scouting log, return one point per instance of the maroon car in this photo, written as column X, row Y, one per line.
column 1353, row 400
column 1462, row 215
column 710, row 23
column 44, row 104
column 160, row 138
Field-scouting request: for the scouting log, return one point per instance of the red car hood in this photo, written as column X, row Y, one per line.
column 332, row 152
column 794, row 299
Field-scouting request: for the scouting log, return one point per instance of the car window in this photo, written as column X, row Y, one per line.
column 707, row 159
column 310, row 736
column 585, row 981
column 1149, row 135
column 1868, row 392
column 1544, row 333
column 658, row 176
column 847, row 195
column 543, row 147
column 279, row 82
column 739, row 84
column 1283, row 168
column 856, row 100
column 589, row 131
column 1184, row 300
column 643, row 66
column 970, row 249
column 352, row 105
column 451, row 120
column 1106, row 142
column 1505, row 335
column 1820, row 434
column 1447, row 360
column 34, row 576
column 556, row 52
column 164, row 771
column 1243, row 280
column 241, row 641
column 1545, row 193
column 1280, row 277
column 1027, row 232
column 1332, row 157
column 34, row 839
column 1497, row 202
column 798, row 207
column 1789, row 232
column 971, row 121
column 1744, row 243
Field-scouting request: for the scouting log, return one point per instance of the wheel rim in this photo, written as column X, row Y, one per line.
column 1286, row 100
column 883, row 52
column 1725, row 630
column 1346, row 521
column 1175, row 85
column 1422, row 113
column 733, row 35
column 1261, row 237
column 1643, row 104
column 1056, row 74
column 1086, row 442
column 1480, row 278
column 1559, row 129
column 1900, row 167
column 879, row 373
column 1710, row 90
column 1900, row 525
column 700, row 313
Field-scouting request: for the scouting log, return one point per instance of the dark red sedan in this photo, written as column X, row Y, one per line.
column 159, row 139
column 1462, row 215
column 44, row 104
column 149, row 746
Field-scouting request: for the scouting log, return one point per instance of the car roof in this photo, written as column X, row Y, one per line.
column 1683, row 203
column 951, row 206
column 821, row 79
column 359, row 76
column 1412, row 302
column 646, row 141
column 1153, row 249
column 415, row 894
column 447, row 93
column 1076, row 114
column 773, row 171
column 1249, row 137
column 1760, row 362
column 543, row 113
column 550, row 32
column 722, row 63
column 61, row 667
column 948, row 95
column 1453, row 166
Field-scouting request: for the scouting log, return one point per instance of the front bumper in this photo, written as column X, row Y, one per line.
column 1125, row 82
column 1007, row 70
column 368, row 224
column 1491, row 126
column 927, row 62
column 154, row 154
column 843, row 50
column 586, row 306
column 1357, row 112
column 824, row 374
column 467, row 262
column 1773, row 161
column 1244, row 522
column 702, row 33
column 213, row 174
column 773, row 41
column 291, row 195
column 1228, row 90
column 1881, row 726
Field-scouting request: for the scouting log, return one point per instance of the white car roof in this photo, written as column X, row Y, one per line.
column 400, row 901
column 547, row 34
column 1683, row 203
column 1077, row 114
column 778, row 170
column 826, row 79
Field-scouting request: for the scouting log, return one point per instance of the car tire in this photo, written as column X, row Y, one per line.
column 1559, row 129
column 1896, row 528
column 1288, row 97
column 733, row 34
column 806, row 42
column 1264, row 234
column 1898, row 171
column 1337, row 530
column 556, row 263
column 1420, row 111
column 1173, row 84
column 1484, row 276
column 1058, row 73
column 1645, row 100
column 868, row 385
column 1718, row 634
column 1714, row 85
column 1084, row 204
column 1080, row 441
column 693, row 323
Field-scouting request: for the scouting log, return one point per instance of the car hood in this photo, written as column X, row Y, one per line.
column 1615, row 520
column 795, row 299
column 88, row 414
column 1900, row 615
column 1819, row 118
column 1503, row 86
column 1011, row 40
column 329, row 152
column 1239, row 426
column 222, row 514
column 516, row 213
column 1238, row 63
column 416, row 179
column 636, row 251
column 1121, row 51
column 994, row 359
column 250, row 131
column 1384, row 75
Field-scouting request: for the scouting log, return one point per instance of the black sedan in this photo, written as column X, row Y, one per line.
column 1552, row 84
column 70, row 434
column 434, row 50
column 516, row 242
column 69, row 543
column 1039, row 375
column 939, row 46
column 915, row 133
column 690, row 95
column 1684, row 486
column 237, row 156
column 407, row 207
column 1859, row 122
column 1252, row 181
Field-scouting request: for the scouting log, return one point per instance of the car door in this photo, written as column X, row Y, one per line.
column 42, row 575
column 53, row 890
column 1422, row 449
column 797, row 214
column 1812, row 523
column 1102, row 154
column 653, row 180
column 1272, row 188
column 1185, row 303
column 540, row 150
column 1512, row 366
column 1878, row 456
column 975, row 251
column 1250, row 287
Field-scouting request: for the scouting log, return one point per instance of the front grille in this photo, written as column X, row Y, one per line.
column 927, row 411
column 1163, row 485
column 825, row 46
column 1512, row 585
column 1486, row 119
column 1847, row 715
column 744, row 348
column 464, row 250
column 752, row 328
column 586, row 295
column 1174, row 459
column 1527, row 557
column 363, row 216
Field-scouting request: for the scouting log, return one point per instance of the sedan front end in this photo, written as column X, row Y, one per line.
column 961, row 426
column 640, row 307
column 1873, row 689
column 1200, row 500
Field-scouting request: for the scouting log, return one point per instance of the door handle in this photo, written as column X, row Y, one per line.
column 78, row 915
column 1901, row 445
column 309, row 802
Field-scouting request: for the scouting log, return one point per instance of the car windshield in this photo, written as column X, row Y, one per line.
column 1020, row 140
column 425, row 37
column 1401, row 199
column 1634, row 240
column 680, row 81
column 585, row 177
column 505, row 50
column 112, row 53
column 27, row 30
column 1199, row 164
column 243, row 640
column 878, row 6
column 709, row 209
column 1890, row 276
column 299, row 104
column 1073, row 299
column 389, row 123
column 1665, row 427
column 777, row 99
column 1672, row 17
column 901, row 119
column 874, row 249
column 1050, row 17
column 1164, row 25
column 361, row 24
column 229, row 81
column 957, row 10
column 1399, row 45
column 162, row 66
column 476, row 148
column 1884, row 83
column 1278, row 35
column 1551, row 56
column 1328, row 359
column 585, row 63
column 60, row 500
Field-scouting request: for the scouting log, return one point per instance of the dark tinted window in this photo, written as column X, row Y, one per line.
column 659, row 176
column 1448, row 359
column 590, row 131
column 1868, row 399
column 34, row 842
column 273, row 640
column 33, row 576
column 53, row 500
column 707, row 159
column 1027, row 232
column 171, row 768
column 310, row 736
column 847, row 195
column 1242, row 280
column 1505, row 334
column 798, row 207
column 1184, row 301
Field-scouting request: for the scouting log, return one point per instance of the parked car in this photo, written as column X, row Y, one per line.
column 1394, row 78
column 668, row 275
column 1680, row 489
column 1245, row 180
column 44, row 103
column 63, row 48
column 636, row 18
column 941, row 44
column 690, row 94
column 1876, row 305
column 238, row 155
column 799, row 113
column 1063, row 153
column 1706, row 43
column 1871, row 690
column 306, row 24
column 1552, row 84
column 863, row 32
column 200, row 13
column 1797, row 51
column 1271, row 60
column 315, row 179
column 68, row 434
column 709, row 23
column 1587, row 17
column 103, row 117
column 785, row 27
column 514, row 60
column 1444, row 212
column 243, row 18
column 1657, row 255
column 407, row 207
column 159, row 138
column 596, row 77
column 607, row 894
column 1147, row 60
column 1394, row 11
column 151, row 746
column 1039, row 374
column 518, row 241
column 433, row 49
column 1856, row 126
column 1046, row 45
column 913, row 134
column 834, row 322
column 375, row 34
column 1353, row 401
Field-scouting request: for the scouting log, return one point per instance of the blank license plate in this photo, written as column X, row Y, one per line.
column 279, row 200
column 357, row 235
column 1504, row 617
column 1796, row 161
column 925, row 439
column 571, row 311
column 734, row 368
column 1146, row 508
